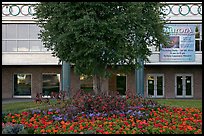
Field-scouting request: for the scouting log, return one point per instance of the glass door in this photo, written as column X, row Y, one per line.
column 155, row 85
column 184, row 86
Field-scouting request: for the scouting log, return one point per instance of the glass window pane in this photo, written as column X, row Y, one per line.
column 23, row 45
column 22, row 31
column 22, row 84
column 188, row 85
column 197, row 45
column 3, row 45
column 35, row 45
column 11, row 46
column 11, row 31
column 197, row 31
column 3, row 31
column 159, row 85
column 179, row 85
column 34, row 31
column 86, row 83
column 50, row 83
column 150, row 85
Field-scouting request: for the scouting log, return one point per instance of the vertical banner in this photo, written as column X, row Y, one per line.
column 182, row 43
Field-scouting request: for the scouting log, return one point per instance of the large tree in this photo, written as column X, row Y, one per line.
column 96, row 35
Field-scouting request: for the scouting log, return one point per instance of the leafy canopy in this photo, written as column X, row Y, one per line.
column 95, row 35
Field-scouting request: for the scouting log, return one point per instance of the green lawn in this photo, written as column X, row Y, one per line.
column 181, row 103
column 22, row 106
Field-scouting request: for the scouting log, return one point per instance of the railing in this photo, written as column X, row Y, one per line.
column 17, row 10
column 183, row 9
column 175, row 9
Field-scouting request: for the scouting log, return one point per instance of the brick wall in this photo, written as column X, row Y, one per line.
column 169, row 78
column 36, row 72
column 168, row 71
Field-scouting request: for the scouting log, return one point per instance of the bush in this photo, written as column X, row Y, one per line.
column 13, row 129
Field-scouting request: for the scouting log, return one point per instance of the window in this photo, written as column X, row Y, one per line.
column 183, row 85
column 198, row 37
column 21, row 38
column 86, row 83
column 51, row 83
column 22, row 84
column 155, row 85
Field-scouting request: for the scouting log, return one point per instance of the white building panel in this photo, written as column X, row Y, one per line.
column 22, row 58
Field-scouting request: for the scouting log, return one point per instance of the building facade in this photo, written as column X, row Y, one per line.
column 173, row 72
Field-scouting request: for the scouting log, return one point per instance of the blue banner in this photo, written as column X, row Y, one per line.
column 182, row 43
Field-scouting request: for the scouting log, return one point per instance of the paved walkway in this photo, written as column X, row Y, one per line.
column 13, row 100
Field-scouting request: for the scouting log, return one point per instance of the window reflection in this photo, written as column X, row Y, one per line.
column 51, row 83
column 22, row 84
column 21, row 37
column 86, row 83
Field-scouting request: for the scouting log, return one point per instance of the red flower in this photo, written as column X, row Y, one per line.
column 35, row 127
column 139, row 126
column 106, row 132
column 71, row 128
column 49, row 112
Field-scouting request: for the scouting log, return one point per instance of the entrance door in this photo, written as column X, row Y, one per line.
column 183, row 86
column 121, row 83
column 155, row 85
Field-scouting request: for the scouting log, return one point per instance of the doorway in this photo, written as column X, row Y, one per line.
column 121, row 83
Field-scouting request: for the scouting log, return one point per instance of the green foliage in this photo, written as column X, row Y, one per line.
column 95, row 35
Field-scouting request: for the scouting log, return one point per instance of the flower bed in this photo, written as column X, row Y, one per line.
column 88, row 114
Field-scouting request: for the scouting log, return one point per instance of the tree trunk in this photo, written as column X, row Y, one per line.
column 100, row 85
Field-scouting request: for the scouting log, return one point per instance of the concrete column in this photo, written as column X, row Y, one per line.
column 66, row 77
column 139, row 78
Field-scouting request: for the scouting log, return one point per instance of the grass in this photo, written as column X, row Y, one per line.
column 23, row 106
column 184, row 103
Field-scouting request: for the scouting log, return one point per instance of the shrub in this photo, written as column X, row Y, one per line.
column 13, row 129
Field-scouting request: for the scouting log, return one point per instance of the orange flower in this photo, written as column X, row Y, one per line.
column 133, row 124
column 13, row 120
column 117, row 132
column 133, row 132
column 48, row 131
column 138, row 121
column 165, row 127
column 42, row 131
column 64, row 126
column 62, row 122
column 16, row 115
column 127, row 129
column 190, row 128
column 142, row 108
column 173, row 127
column 106, row 132
column 55, row 130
